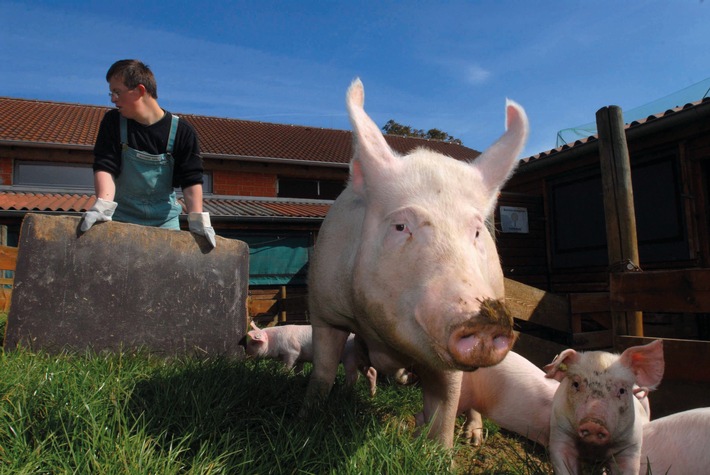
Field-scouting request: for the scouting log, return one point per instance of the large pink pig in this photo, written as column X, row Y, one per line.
column 404, row 259
column 595, row 414
column 677, row 444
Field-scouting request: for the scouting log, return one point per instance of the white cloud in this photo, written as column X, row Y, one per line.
column 475, row 74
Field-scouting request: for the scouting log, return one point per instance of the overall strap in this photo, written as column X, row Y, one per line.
column 124, row 131
column 173, row 131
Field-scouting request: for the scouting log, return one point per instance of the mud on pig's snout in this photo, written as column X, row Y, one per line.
column 484, row 339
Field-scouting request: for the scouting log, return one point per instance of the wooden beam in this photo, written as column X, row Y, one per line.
column 619, row 211
column 535, row 305
column 685, row 290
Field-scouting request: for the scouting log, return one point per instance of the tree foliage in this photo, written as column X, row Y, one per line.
column 395, row 128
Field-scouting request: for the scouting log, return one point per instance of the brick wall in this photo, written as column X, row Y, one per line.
column 5, row 171
column 243, row 184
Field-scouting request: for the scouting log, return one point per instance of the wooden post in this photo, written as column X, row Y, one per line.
column 618, row 208
column 282, row 306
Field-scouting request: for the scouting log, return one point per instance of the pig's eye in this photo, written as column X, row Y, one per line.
column 402, row 228
column 575, row 384
column 622, row 391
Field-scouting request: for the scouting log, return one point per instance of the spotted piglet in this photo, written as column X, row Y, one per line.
column 595, row 414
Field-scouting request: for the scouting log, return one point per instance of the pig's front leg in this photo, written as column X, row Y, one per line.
column 328, row 345
column 473, row 427
column 441, row 390
column 563, row 454
column 628, row 462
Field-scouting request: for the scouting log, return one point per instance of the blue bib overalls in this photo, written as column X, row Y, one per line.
column 144, row 188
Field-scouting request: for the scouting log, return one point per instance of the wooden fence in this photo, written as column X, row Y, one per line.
column 8, row 263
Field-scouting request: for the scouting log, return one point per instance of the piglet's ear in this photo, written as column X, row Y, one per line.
column 257, row 336
column 558, row 368
column 646, row 362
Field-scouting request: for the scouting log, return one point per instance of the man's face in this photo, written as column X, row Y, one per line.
column 123, row 98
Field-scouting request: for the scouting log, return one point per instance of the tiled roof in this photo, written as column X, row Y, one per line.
column 689, row 109
column 218, row 206
column 61, row 124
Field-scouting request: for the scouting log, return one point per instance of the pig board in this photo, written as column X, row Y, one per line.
column 121, row 286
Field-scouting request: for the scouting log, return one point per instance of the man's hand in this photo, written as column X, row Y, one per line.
column 101, row 211
column 199, row 223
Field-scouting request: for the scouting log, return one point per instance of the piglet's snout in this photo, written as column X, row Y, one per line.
column 593, row 432
column 485, row 339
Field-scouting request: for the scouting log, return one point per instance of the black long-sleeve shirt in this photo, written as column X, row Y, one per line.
column 150, row 139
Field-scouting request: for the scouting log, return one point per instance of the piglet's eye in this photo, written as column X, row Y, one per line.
column 622, row 391
column 400, row 227
column 575, row 384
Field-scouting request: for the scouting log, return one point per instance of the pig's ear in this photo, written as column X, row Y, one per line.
column 258, row 335
column 372, row 156
column 647, row 363
column 500, row 159
column 558, row 368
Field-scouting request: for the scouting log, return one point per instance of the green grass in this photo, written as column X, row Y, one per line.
column 133, row 413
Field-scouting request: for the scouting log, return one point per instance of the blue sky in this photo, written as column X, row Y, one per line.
column 447, row 64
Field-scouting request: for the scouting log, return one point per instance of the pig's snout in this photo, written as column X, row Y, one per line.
column 485, row 339
column 592, row 431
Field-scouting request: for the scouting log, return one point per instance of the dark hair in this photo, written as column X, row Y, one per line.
column 133, row 73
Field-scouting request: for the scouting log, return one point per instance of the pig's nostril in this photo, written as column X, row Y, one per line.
column 472, row 346
column 593, row 432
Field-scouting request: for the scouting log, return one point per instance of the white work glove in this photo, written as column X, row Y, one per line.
column 101, row 211
column 199, row 223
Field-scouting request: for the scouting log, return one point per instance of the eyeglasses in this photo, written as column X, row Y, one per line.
column 118, row 93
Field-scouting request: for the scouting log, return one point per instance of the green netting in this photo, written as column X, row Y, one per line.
column 693, row 93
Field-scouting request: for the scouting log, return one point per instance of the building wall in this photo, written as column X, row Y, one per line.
column 238, row 183
column 683, row 198
column 5, row 172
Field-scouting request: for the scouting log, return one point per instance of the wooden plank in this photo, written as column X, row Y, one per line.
column 537, row 306
column 262, row 307
column 685, row 290
column 538, row 351
column 686, row 360
column 589, row 302
column 598, row 340
column 8, row 258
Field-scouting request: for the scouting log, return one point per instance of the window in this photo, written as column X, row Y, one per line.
column 578, row 224
column 207, row 182
column 314, row 189
column 54, row 175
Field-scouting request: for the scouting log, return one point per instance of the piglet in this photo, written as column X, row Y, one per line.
column 595, row 414
column 677, row 444
column 356, row 359
column 515, row 394
column 290, row 344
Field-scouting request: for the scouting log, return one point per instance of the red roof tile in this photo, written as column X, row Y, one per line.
column 63, row 124
column 218, row 207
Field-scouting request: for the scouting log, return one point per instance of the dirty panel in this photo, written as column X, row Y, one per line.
column 126, row 286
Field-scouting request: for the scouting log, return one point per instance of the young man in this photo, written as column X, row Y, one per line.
column 141, row 153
